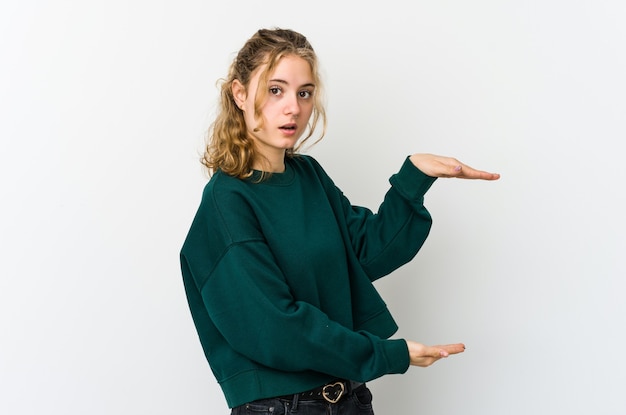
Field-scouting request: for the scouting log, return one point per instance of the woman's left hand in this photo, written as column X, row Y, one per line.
column 439, row 166
column 424, row 356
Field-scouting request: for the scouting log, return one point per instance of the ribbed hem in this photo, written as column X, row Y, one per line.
column 254, row 384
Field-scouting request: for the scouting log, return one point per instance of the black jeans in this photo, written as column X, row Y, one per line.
column 357, row 403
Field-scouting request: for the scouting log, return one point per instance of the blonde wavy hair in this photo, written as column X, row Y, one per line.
column 228, row 146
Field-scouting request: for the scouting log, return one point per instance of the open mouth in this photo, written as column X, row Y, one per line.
column 288, row 127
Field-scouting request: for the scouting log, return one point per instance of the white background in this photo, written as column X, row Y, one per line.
column 103, row 109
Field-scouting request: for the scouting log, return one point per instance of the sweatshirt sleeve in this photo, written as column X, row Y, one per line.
column 251, row 306
column 391, row 237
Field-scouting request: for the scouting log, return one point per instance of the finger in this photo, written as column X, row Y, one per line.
column 436, row 352
column 450, row 168
column 466, row 172
column 452, row 348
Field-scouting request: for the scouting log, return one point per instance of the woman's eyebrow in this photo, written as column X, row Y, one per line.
column 282, row 81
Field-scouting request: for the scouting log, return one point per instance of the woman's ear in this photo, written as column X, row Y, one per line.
column 239, row 93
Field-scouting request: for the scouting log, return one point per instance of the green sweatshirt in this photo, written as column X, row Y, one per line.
column 278, row 276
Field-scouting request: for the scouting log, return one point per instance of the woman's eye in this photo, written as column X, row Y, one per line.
column 275, row 90
column 306, row 94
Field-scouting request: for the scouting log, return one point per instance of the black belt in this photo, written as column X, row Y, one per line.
column 331, row 392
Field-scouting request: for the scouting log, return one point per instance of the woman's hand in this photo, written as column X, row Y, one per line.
column 424, row 356
column 438, row 166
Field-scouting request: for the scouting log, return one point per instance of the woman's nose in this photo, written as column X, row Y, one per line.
column 292, row 106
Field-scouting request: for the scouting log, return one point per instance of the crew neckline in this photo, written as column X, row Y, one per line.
column 276, row 179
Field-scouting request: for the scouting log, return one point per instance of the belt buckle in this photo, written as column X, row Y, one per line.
column 332, row 386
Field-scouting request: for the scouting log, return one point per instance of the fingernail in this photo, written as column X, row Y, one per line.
column 457, row 168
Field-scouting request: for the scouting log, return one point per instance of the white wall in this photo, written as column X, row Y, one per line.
column 102, row 112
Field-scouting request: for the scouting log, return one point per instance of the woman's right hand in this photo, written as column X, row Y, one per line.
column 424, row 356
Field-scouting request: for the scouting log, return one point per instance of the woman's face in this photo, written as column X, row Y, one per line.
column 286, row 110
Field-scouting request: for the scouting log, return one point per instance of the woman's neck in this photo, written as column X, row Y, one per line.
column 274, row 164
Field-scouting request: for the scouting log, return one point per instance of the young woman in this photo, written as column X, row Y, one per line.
column 278, row 265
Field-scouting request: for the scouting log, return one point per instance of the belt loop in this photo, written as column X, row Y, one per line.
column 294, row 403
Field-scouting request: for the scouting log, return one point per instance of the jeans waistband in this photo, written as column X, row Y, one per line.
column 332, row 392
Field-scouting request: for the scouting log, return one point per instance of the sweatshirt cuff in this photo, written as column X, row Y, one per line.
column 397, row 355
column 411, row 182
